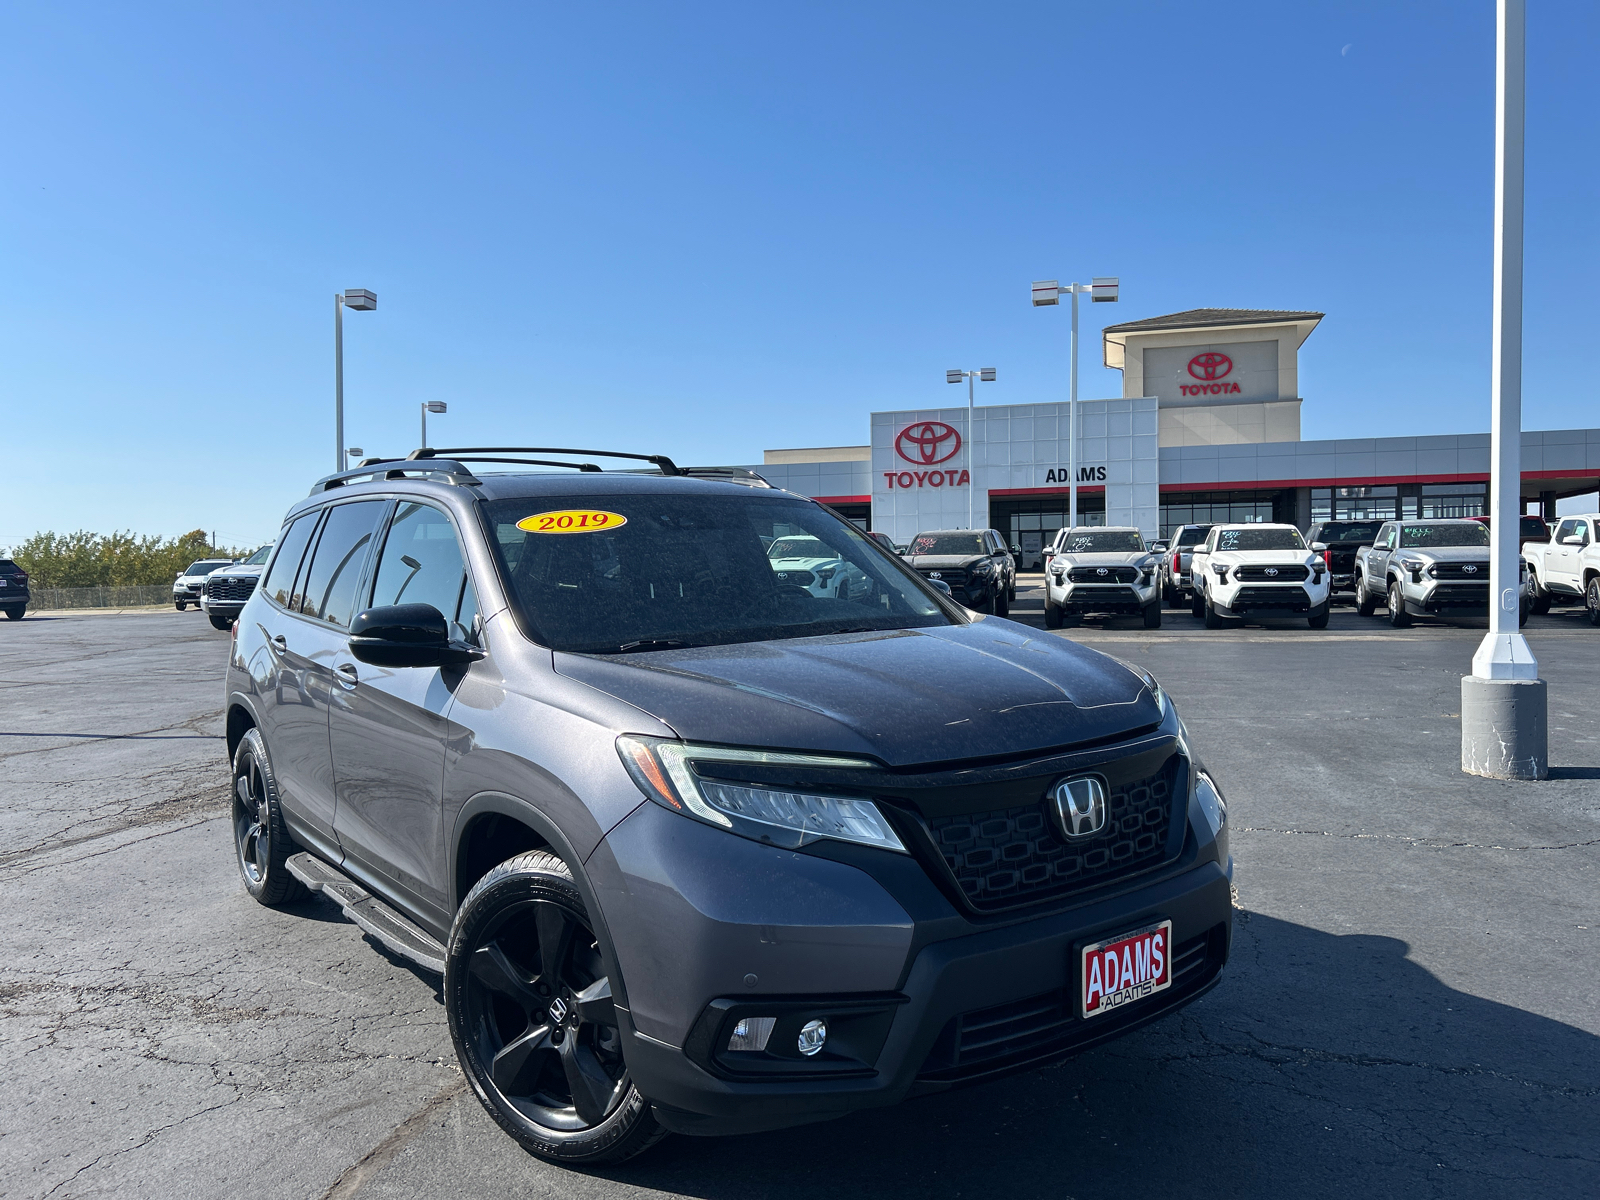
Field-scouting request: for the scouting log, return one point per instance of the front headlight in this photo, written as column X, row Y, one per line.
column 1211, row 802
column 1221, row 569
column 665, row 772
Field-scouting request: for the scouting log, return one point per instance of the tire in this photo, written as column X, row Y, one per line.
column 1541, row 598
column 1170, row 597
column 1011, row 591
column 989, row 604
column 14, row 613
column 179, row 605
column 1366, row 603
column 1213, row 621
column 1320, row 621
column 1052, row 614
column 1398, row 616
column 525, row 1060
column 1591, row 600
column 1000, row 605
column 1152, row 615
column 223, row 623
column 1197, row 603
column 261, row 843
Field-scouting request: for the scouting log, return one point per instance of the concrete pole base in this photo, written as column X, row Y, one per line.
column 1505, row 728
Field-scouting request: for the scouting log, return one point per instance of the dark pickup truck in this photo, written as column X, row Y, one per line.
column 13, row 589
column 1343, row 539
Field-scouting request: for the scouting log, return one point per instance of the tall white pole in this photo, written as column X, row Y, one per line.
column 972, row 476
column 1072, row 420
column 338, row 382
column 1504, row 652
column 424, row 441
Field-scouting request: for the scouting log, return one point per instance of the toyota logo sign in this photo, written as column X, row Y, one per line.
column 928, row 443
column 1210, row 366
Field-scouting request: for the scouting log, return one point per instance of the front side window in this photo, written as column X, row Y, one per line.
column 422, row 564
column 1259, row 539
column 1468, row 533
column 329, row 591
column 948, row 543
column 647, row 571
column 279, row 583
column 1096, row 542
column 1581, row 528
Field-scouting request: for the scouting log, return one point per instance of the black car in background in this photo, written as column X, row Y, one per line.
column 973, row 563
column 227, row 588
column 13, row 589
column 1343, row 539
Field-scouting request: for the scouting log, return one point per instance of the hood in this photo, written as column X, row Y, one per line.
column 935, row 562
column 1464, row 554
column 1277, row 558
column 250, row 572
column 1118, row 558
column 906, row 697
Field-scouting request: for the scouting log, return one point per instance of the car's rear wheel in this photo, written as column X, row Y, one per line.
column 15, row 612
column 1541, row 598
column 1366, row 602
column 529, row 1004
column 1398, row 616
column 1591, row 600
column 261, row 842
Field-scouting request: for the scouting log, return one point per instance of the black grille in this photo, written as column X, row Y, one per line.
column 1276, row 574
column 1461, row 593
column 230, row 588
column 1015, row 855
column 798, row 578
column 992, row 1038
column 1478, row 571
column 1104, row 574
column 951, row 575
column 1294, row 599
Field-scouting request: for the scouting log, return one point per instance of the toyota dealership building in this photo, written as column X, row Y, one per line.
column 1207, row 429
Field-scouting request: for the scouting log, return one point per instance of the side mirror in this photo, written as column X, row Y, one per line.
column 407, row 635
column 1319, row 547
column 1016, row 549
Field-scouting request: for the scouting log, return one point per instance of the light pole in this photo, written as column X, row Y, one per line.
column 431, row 406
column 1504, row 704
column 987, row 375
column 362, row 301
column 1102, row 290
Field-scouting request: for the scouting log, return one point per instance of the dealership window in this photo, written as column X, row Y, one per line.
column 1441, row 500
column 1430, row 501
column 1218, row 508
column 1032, row 523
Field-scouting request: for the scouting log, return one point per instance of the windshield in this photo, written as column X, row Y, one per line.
column 1467, row 533
column 1192, row 537
column 206, row 566
column 1123, row 541
column 948, row 543
column 259, row 557
column 1260, row 539
column 1349, row 531
column 617, row 574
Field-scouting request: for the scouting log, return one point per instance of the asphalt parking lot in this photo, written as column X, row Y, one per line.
column 1412, row 1007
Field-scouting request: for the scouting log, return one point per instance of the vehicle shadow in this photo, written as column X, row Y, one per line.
column 1324, row 1065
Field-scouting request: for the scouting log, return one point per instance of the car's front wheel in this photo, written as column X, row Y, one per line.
column 1197, row 602
column 1213, row 620
column 1591, row 600
column 530, row 1011
column 223, row 623
column 1052, row 613
column 1398, row 616
column 179, row 605
column 1152, row 615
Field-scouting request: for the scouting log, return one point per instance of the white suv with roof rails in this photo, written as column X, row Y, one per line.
column 1260, row 571
column 1100, row 569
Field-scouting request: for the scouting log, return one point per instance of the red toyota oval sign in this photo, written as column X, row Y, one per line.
column 928, row 443
column 1210, row 366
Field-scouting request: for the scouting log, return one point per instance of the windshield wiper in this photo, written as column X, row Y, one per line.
column 651, row 644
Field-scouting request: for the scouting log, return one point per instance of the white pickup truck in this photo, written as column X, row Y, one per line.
column 1260, row 571
column 1566, row 569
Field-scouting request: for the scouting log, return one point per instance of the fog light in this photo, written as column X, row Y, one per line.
column 812, row 1035
column 752, row 1033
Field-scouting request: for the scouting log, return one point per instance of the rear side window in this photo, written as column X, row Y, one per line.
column 279, row 583
column 422, row 564
column 329, row 593
column 1191, row 537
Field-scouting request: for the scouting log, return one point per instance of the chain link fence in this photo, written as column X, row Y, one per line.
column 101, row 597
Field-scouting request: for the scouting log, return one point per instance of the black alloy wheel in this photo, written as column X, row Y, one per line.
column 1591, row 600
column 261, row 843
column 530, row 1009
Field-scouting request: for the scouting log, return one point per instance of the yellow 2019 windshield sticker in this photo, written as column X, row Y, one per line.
column 572, row 520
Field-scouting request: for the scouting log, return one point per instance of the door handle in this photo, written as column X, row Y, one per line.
column 348, row 675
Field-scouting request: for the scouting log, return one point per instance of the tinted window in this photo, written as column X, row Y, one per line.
column 259, row 557
column 947, row 543
column 329, row 593
column 279, row 582
column 1535, row 527
column 1468, row 533
column 695, row 570
column 421, row 563
column 1347, row 531
column 207, row 565
column 1116, row 542
column 1192, row 536
column 1259, row 539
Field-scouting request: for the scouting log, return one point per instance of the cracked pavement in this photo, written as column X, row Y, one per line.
column 1411, row 1007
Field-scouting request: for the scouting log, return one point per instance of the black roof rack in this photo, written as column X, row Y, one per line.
column 443, row 469
column 429, row 463
column 471, row 453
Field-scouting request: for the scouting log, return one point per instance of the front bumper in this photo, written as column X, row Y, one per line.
column 1271, row 599
column 1125, row 598
column 1433, row 598
column 962, row 999
column 191, row 595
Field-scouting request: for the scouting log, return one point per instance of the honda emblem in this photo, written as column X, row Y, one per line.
column 1080, row 806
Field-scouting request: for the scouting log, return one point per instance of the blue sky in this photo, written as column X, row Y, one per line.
column 712, row 229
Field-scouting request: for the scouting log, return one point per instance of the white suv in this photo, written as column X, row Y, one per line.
column 1099, row 569
column 1260, row 571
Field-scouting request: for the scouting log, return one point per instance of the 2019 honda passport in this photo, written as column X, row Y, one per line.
column 697, row 848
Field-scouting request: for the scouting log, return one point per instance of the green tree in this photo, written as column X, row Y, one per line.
column 84, row 559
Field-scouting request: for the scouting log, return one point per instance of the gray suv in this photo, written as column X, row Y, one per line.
column 696, row 848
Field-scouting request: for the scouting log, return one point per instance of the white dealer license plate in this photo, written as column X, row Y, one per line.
column 1126, row 968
